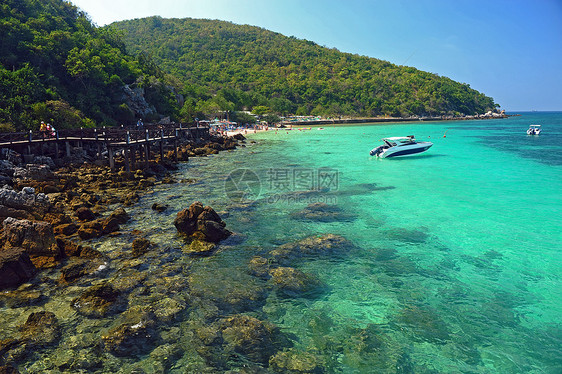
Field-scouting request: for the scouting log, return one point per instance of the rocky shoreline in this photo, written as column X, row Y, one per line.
column 136, row 305
column 51, row 213
column 352, row 120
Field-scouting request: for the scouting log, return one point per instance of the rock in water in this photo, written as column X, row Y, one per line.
column 41, row 328
column 85, row 214
column 36, row 238
column 293, row 282
column 131, row 338
column 312, row 246
column 322, row 212
column 140, row 246
column 159, row 207
column 294, row 361
column 8, row 369
column 249, row 336
column 200, row 247
column 96, row 301
column 202, row 223
column 15, row 267
column 186, row 220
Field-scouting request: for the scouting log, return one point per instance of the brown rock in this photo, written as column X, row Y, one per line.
column 209, row 214
column 66, row 229
column 85, row 214
column 110, row 224
column 96, row 301
column 202, row 223
column 15, row 267
column 159, row 207
column 89, row 252
column 8, row 346
column 249, row 336
column 41, row 329
column 6, row 211
column 213, row 231
column 259, row 266
column 293, row 361
column 200, row 247
column 78, row 268
column 292, row 281
column 313, row 246
column 68, row 248
column 8, row 369
column 186, row 219
column 120, row 216
column 131, row 338
column 44, row 262
column 36, row 238
column 195, row 210
column 89, row 230
column 140, row 246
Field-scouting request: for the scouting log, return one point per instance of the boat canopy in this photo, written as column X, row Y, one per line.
column 399, row 139
column 535, row 125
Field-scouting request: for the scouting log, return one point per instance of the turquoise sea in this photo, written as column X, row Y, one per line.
column 456, row 264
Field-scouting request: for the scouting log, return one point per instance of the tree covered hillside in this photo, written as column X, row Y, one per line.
column 223, row 66
column 56, row 66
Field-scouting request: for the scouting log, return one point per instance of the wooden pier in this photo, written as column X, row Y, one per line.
column 107, row 141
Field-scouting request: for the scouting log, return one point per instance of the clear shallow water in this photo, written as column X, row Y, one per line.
column 456, row 266
column 459, row 262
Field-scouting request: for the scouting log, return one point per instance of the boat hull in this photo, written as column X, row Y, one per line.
column 406, row 150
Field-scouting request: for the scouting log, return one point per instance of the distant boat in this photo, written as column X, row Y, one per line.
column 400, row 146
column 534, row 130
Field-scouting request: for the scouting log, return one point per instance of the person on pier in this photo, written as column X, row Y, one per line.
column 43, row 129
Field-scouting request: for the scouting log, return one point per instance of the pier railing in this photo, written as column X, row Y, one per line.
column 107, row 135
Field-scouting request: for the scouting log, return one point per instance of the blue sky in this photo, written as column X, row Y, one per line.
column 509, row 50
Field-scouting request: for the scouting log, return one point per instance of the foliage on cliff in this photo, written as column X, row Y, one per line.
column 224, row 66
column 58, row 67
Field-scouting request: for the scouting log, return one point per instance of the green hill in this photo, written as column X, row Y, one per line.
column 223, row 66
column 56, row 66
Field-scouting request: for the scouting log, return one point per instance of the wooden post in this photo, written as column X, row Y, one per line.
column 176, row 146
column 30, row 142
column 56, row 144
column 126, row 156
column 98, row 143
column 161, row 145
column 133, row 151
column 146, row 148
column 67, row 144
column 111, row 160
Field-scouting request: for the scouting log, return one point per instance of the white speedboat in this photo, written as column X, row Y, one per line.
column 534, row 130
column 400, row 146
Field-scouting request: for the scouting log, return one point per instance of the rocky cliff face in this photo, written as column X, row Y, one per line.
column 134, row 97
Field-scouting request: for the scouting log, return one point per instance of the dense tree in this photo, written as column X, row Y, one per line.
column 251, row 67
column 55, row 65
